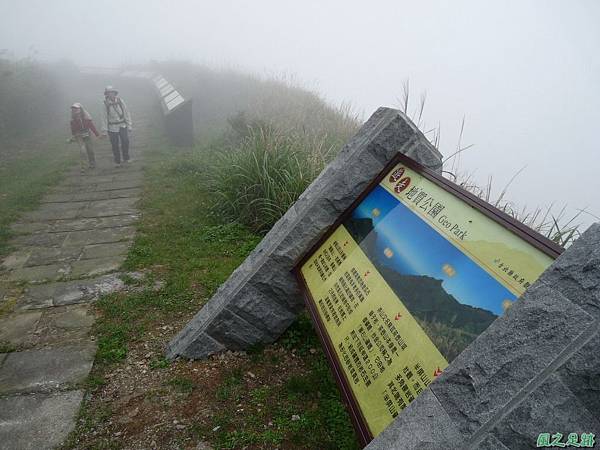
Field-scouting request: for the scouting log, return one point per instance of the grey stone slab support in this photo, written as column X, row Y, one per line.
column 550, row 408
column 261, row 298
column 534, row 370
column 423, row 425
column 581, row 374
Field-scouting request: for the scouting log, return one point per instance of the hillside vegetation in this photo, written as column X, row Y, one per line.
column 267, row 138
column 33, row 126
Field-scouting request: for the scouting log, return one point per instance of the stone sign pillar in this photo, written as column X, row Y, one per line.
column 261, row 298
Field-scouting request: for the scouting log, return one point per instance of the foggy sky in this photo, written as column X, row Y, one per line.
column 525, row 74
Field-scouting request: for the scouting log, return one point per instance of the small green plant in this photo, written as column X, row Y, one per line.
column 182, row 384
column 256, row 352
column 94, row 381
column 231, row 386
column 222, row 420
column 299, row 385
column 159, row 363
column 112, row 342
column 272, row 437
column 128, row 280
column 300, row 337
column 236, row 439
column 259, row 395
column 7, row 347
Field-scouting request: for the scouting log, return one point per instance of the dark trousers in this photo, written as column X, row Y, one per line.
column 119, row 140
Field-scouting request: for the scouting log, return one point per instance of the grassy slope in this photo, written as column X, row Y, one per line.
column 39, row 166
column 289, row 400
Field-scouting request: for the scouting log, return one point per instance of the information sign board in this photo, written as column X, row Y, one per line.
column 406, row 278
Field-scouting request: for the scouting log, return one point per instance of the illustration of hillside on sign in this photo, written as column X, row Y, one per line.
column 406, row 280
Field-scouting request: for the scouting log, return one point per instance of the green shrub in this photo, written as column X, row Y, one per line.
column 258, row 181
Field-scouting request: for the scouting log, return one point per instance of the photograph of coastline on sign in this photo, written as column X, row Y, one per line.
column 452, row 298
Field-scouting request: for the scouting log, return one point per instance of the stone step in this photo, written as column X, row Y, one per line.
column 60, row 325
column 38, row 421
column 85, row 224
column 47, row 369
column 69, row 292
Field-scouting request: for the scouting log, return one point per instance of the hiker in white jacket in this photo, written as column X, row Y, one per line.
column 117, row 122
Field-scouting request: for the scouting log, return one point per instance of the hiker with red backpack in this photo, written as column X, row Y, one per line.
column 117, row 122
column 81, row 129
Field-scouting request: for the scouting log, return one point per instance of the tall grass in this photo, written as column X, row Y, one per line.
column 558, row 226
column 257, row 181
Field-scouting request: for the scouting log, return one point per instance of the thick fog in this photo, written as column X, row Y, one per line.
column 523, row 73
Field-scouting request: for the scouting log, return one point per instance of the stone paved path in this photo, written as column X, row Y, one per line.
column 67, row 252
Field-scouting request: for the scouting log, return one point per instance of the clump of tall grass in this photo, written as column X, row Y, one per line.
column 257, row 181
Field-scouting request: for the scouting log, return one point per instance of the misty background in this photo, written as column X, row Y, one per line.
column 523, row 73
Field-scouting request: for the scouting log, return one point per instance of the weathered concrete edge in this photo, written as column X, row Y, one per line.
column 267, row 270
column 462, row 394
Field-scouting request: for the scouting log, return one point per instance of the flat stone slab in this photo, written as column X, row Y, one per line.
column 57, row 198
column 90, row 179
column 35, row 422
column 29, row 227
column 82, row 238
column 96, row 266
column 112, row 207
column 54, row 211
column 119, row 185
column 105, row 250
column 46, row 369
column 16, row 259
column 19, row 328
column 105, row 195
column 71, row 318
column 64, row 325
column 51, row 255
column 39, row 240
column 9, row 295
column 93, row 223
column 37, row 274
column 69, row 292
column 68, row 189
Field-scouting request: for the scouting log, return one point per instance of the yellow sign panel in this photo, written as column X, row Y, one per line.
column 406, row 282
